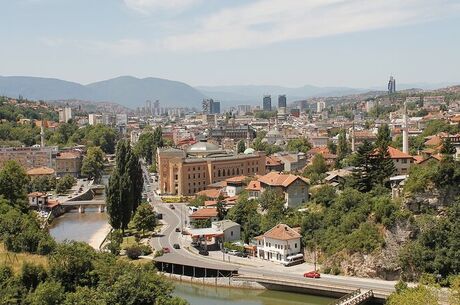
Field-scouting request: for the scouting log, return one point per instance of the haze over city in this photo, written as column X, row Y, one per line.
column 204, row 42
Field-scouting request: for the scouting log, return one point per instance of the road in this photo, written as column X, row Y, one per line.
column 168, row 237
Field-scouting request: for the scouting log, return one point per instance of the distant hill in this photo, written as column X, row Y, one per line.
column 252, row 94
column 127, row 91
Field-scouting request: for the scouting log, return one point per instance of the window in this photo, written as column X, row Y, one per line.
column 295, row 245
column 404, row 161
column 231, row 233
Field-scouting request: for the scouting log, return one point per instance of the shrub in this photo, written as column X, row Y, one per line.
column 133, row 252
column 146, row 249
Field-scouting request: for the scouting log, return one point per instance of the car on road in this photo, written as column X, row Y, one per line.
column 177, row 229
column 70, row 196
column 232, row 252
column 204, row 252
column 312, row 275
column 172, row 207
column 241, row 254
column 166, row 250
column 176, row 246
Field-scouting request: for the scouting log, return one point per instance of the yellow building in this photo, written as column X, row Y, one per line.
column 188, row 172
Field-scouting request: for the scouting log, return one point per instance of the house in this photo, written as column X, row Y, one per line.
column 234, row 185
column 37, row 199
column 68, row 163
column 337, row 177
column 231, row 230
column 253, row 189
column 279, row 244
column 273, row 163
column 292, row 161
column 293, row 188
column 401, row 160
column 204, row 214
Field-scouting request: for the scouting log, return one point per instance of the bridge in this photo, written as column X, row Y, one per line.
column 357, row 297
column 83, row 204
column 312, row 286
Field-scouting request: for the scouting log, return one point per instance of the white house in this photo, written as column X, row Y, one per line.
column 231, row 230
column 279, row 244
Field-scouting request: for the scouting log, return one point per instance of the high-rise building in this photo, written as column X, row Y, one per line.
column 243, row 109
column 156, row 108
column 210, row 107
column 320, row 105
column 282, row 101
column 267, row 103
column 392, row 85
column 121, row 119
column 215, row 107
column 65, row 114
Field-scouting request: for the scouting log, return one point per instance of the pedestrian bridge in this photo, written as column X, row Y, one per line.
column 357, row 297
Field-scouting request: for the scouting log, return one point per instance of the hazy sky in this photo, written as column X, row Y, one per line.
column 227, row 42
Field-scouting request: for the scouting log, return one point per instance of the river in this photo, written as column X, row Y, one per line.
column 208, row 295
column 90, row 227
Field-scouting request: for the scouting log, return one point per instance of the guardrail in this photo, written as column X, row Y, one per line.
column 346, row 297
column 355, row 298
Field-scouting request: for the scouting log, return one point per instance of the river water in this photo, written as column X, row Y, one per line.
column 90, row 227
column 208, row 295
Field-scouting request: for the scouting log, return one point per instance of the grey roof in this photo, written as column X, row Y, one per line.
column 203, row 147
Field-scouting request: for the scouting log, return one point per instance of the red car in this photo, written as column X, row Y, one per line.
column 166, row 250
column 312, row 275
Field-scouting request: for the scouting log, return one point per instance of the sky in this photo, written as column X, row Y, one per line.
column 355, row 43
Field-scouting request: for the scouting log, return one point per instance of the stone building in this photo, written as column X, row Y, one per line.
column 190, row 171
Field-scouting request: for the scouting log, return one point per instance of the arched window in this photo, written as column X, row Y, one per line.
column 218, row 173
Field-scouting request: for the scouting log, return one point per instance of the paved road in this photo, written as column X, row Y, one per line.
column 172, row 220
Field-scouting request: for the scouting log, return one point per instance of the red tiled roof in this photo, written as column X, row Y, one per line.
column 37, row 171
column 253, row 186
column 236, row 179
column 277, row 179
column 272, row 161
column 213, row 194
column 396, row 153
column 210, row 203
column 282, row 232
column 205, row 213
column 68, row 155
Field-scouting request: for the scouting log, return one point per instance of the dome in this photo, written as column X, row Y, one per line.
column 249, row 151
column 203, row 147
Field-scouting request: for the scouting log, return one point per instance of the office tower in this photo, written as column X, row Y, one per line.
column 121, row 119
column 391, row 85
column 156, row 108
column 282, row 101
column 267, row 103
column 243, row 109
column 208, row 106
column 215, row 107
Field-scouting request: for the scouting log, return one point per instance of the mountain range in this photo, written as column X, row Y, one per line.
column 132, row 92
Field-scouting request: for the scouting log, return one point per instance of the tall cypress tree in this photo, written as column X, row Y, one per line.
column 383, row 166
column 124, row 192
column 362, row 177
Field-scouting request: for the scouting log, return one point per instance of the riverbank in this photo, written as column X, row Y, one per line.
column 99, row 236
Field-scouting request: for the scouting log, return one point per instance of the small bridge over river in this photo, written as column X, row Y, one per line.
column 81, row 205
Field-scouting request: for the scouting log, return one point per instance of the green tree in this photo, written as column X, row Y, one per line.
column 145, row 146
column 419, row 295
column 382, row 165
column 447, row 147
column 245, row 213
column 93, row 164
column 315, row 171
column 158, row 137
column 102, row 136
column 124, row 192
column 241, row 147
column 299, row 145
column 47, row 293
column 362, row 176
column 13, row 184
column 32, row 275
column 64, row 184
column 85, row 296
column 145, row 218
column 72, row 264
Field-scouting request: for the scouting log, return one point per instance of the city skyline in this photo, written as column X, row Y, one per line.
column 286, row 43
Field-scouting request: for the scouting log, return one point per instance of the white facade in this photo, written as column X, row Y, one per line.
column 277, row 250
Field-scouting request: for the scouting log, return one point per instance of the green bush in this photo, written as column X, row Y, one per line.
column 145, row 249
column 133, row 252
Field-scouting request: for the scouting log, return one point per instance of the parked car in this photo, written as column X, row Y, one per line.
column 166, row 250
column 171, row 207
column 176, row 246
column 312, row 275
column 232, row 252
column 241, row 254
column 177, row 229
